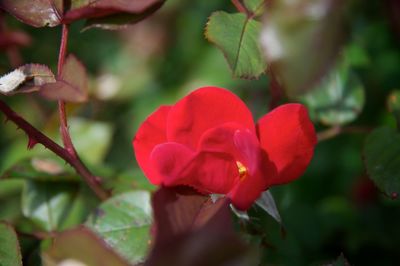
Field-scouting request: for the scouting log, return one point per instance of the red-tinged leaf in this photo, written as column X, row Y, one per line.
column 62, row 90
column 74, row 73
column 120, row 20
column 191, row 230
column 37, row 13
column 100, row 9
column 292, row 33
column 81, row 245
column 71, row 86
column 26, row 78
column 175, row 210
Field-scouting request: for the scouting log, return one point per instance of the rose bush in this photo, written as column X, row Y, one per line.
column 209, row 141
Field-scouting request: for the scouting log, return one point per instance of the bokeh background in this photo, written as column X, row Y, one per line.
column 332, row 209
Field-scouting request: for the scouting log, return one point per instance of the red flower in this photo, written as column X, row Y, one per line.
column 208, row 140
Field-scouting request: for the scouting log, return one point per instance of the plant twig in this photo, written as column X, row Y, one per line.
column 35, row 136
column 337, row 130
column 239, row 6
column 66, row 138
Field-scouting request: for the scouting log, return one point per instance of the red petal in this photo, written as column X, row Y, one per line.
column 151, row 133
column 288, row 137
column 203, row 109
column 208, row 172
column 260, row 171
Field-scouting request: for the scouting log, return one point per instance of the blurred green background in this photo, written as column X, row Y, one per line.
column 332, row 209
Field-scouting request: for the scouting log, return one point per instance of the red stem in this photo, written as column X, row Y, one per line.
column 239, row 6
column 35, row 136
column 61, row 104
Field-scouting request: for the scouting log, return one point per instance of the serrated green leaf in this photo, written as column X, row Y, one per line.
column 338, row 100
column 382, row 159
column 124, row 223
column 10, row 253
column 56, row 205
column 237, row 36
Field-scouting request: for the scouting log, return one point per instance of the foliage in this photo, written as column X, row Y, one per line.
column 72, row 189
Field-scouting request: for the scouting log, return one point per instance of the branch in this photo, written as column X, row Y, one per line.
column 66, row 138
column 35, row 136
column 239, row 6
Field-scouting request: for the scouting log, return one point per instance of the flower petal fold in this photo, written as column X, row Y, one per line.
column 288, row 137
column 208, row 172
column 204, row 109
column 151, row 133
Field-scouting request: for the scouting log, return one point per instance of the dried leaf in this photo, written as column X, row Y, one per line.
column 26, row 78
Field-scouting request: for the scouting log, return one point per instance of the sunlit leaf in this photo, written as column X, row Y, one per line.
column 26, row 78
column 382, row 159
column 124, row 223
column 56, row 205
column 10, row 253
column 338, row 99
column 38, row 13
column 301, row 40
column 237, row 36
column 81, row 247
column 91, row 138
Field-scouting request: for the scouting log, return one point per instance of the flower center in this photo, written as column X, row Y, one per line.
column 242, row 170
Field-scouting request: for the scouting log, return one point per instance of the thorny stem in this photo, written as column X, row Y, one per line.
column 61, row 104
column 35, row 136
column 336, row 130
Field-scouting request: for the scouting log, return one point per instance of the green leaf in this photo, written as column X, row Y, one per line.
column 90, row 138
column 10, row 195
column 237, row 36
column 338, row 100
column 56, row 205
column 124, row 223
column 80, row 246
column 10, row 253
column 301, row 40
column 382, row 159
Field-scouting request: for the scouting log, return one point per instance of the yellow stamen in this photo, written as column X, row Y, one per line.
column 242, row 170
